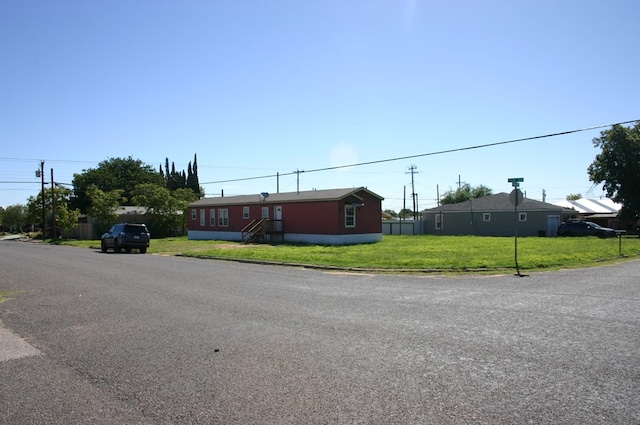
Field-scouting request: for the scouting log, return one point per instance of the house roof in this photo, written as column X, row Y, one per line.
column 592, row 206
column 127, row 210
column 287, row 197
column 498, row 202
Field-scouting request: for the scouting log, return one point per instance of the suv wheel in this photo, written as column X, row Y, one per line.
column 143, row 250
column 116, row 246
column 103, row 246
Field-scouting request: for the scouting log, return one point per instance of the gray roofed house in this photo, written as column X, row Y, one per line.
column 494, row 215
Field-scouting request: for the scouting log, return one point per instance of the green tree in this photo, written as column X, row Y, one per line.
column 574, row 196
column 617, row 166
column 66, row 217
column 165, row 210
column 178, row 180
column 175, row 179
column 116, row 173
column 183, row 197
column 464, row 193
column 103, row 205
column 15, row 217
column 405, row 213
column 392, row 213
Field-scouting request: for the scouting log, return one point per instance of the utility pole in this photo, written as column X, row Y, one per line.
column 53, row 207
column 412, row 171
column 298, row 179
column 44, row 222
column 404, row 205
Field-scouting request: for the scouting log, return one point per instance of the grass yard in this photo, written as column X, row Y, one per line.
column 419, row 253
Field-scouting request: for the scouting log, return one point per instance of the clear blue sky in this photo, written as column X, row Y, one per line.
column 257, row 87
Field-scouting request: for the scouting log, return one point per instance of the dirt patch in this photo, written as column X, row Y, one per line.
column 225, row 246
column 229, row 246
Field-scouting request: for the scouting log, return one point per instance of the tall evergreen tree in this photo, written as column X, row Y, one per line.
column 180, row 180
column 174, row 179
column 192, row 178
column 167, row 177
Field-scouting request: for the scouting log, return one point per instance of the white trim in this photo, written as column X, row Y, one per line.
column 333, row 239
column 439, row 218
column 223, row 217
column 348, row 208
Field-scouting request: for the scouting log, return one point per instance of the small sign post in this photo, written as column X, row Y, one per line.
column 516, row 198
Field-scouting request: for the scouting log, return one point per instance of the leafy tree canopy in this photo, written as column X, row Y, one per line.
column 103, row 205
column 165, row 210
column 66, row 217
column 465, row 193
column 405, row 213
column 114, row 174
column 392, row 213
column 617, row 166
column 574, row 196
column 15, row 217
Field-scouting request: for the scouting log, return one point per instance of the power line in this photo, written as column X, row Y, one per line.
column 64, row 161
column 380, row 161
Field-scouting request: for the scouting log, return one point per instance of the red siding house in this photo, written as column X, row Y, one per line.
column 332, row 217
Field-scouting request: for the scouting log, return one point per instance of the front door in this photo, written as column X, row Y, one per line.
column 553, row 221
column 277, row 217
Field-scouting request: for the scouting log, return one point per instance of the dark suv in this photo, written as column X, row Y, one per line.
column 585, row 228
column 127, row 236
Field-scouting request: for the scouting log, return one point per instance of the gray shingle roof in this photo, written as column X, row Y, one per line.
column 302, row 196
column 498, row 202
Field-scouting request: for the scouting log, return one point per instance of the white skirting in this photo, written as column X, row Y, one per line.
column 292, row 237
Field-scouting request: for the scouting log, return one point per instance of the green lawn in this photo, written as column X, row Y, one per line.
column 420, row 253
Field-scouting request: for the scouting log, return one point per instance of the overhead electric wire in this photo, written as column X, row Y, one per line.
column 380, row 161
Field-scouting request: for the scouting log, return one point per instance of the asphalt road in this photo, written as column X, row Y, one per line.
column 130, row 338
